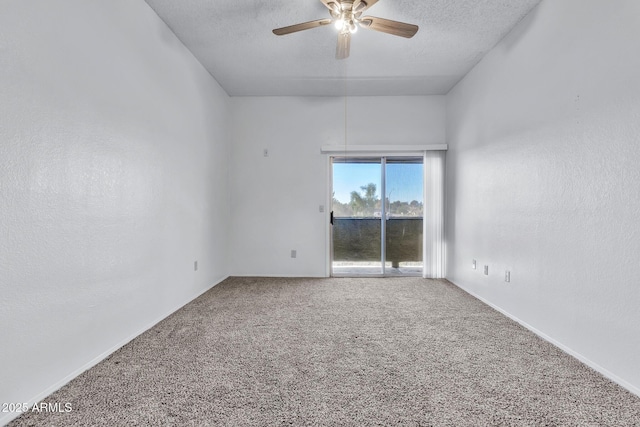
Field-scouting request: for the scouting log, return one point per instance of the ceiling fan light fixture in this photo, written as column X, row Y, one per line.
column 360, row 7
column 353, row 27
column 334, row 7
column 339, row 24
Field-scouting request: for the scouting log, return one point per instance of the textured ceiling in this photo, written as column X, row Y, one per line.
column 234, row 42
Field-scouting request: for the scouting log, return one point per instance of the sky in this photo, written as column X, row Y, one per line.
column 404, row 181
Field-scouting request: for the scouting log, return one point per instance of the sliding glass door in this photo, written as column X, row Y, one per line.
column 377, row 214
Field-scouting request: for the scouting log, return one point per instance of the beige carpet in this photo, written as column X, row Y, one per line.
column 330, row 352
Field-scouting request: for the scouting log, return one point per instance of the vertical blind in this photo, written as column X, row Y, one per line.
column 433, row 224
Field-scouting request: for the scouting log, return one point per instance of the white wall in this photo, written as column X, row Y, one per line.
column 276, row 199
column 113, row 180
column 543, row 179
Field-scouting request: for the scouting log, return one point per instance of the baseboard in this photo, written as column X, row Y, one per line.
column 606, row 373
column 289, row 276
column 7, row 417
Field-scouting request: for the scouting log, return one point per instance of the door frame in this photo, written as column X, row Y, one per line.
column 383, row 214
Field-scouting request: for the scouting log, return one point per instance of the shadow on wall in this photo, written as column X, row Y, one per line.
column 512, row 38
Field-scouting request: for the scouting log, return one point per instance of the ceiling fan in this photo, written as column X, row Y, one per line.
column 346, row 15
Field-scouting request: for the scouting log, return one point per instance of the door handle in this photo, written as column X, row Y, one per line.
column 331, row 218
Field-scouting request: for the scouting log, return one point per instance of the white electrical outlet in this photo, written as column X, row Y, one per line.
column 507, row 276
column 294, row 253
column 195, row 265
column 473, row 264
column 321, row 208
column 486, row 270
column 265, row 152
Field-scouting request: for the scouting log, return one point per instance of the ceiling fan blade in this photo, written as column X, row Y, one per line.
column 300, row 27
column 344, row 45
column 388, row 26
column 362, row 5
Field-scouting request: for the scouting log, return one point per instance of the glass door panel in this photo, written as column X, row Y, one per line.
column 404, row 213
column 356, row 207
